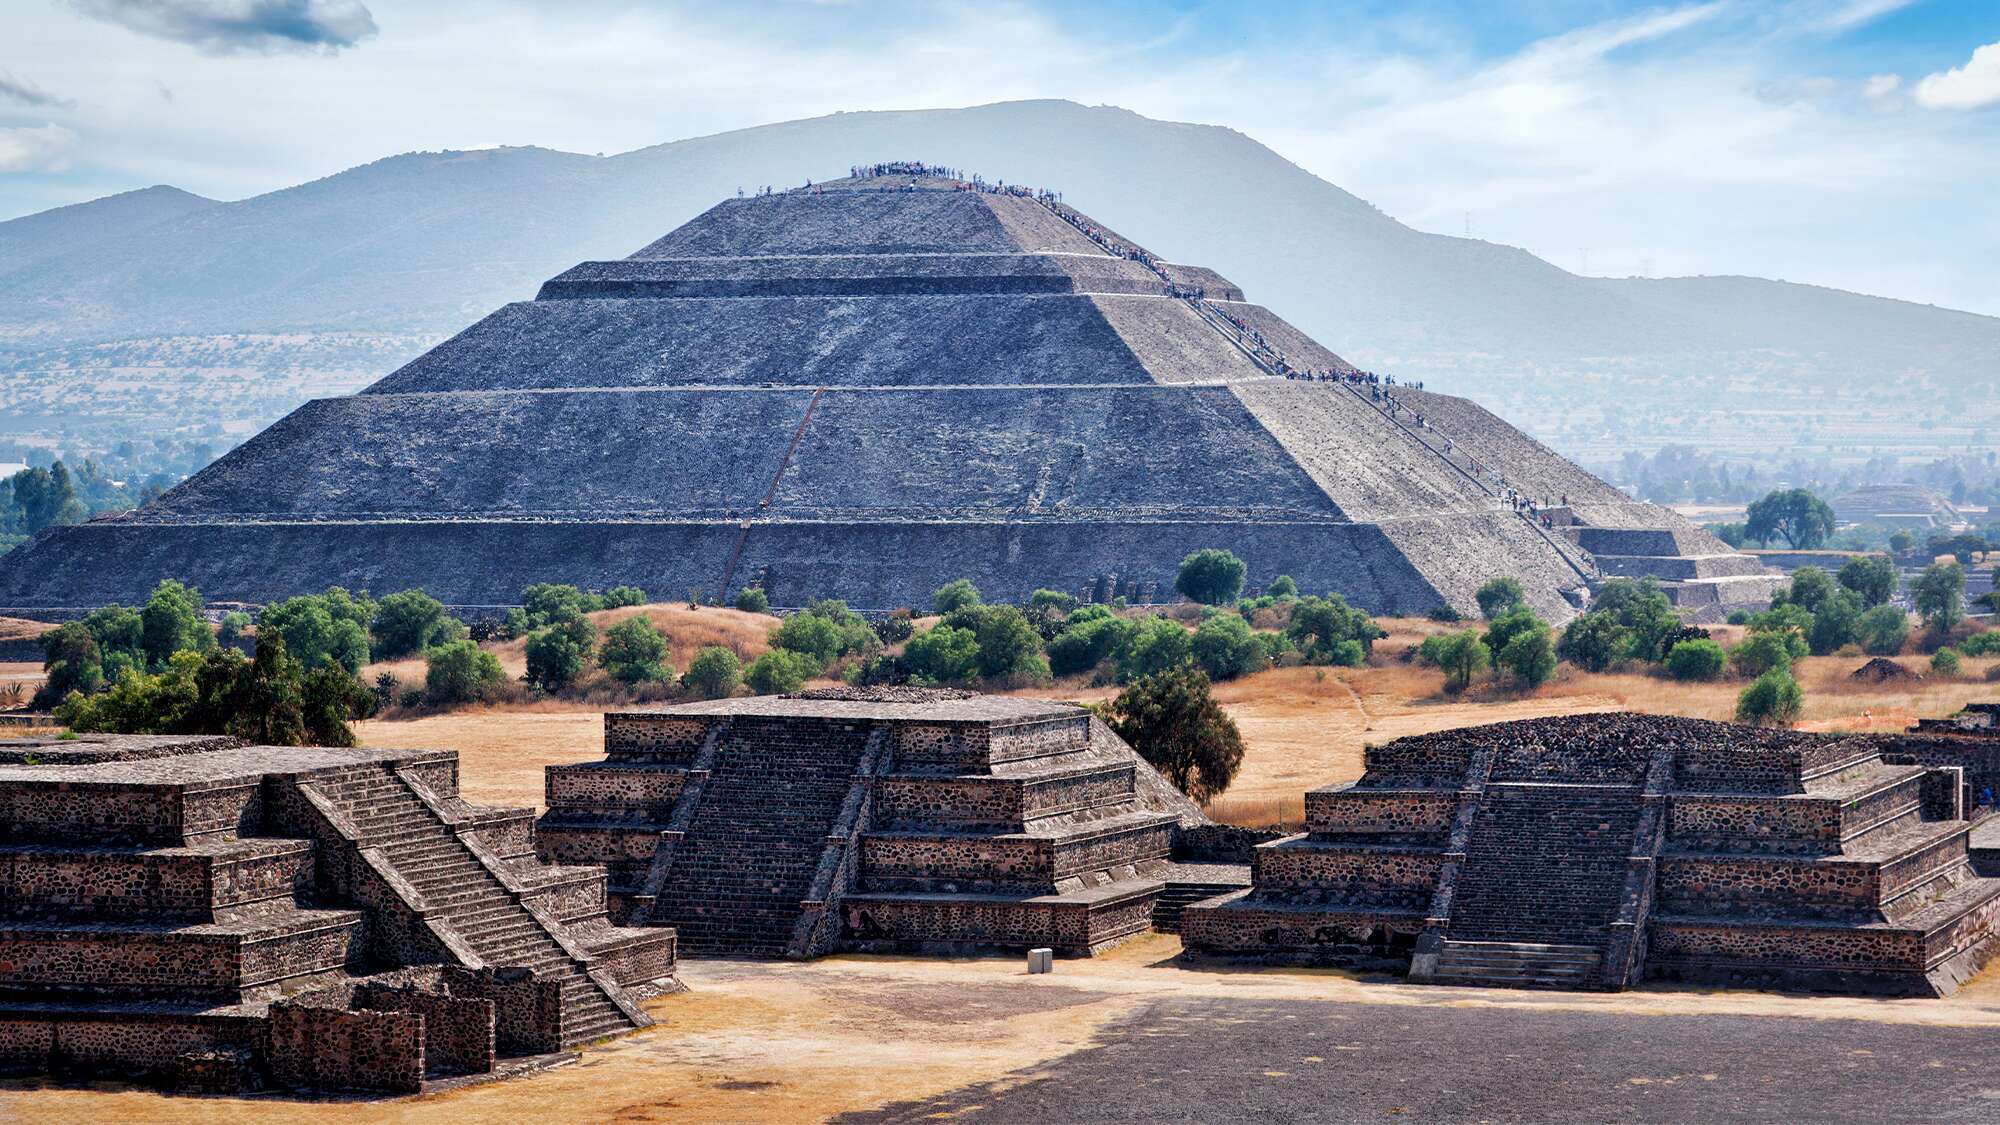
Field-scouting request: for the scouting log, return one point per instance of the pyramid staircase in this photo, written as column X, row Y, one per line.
column 456, row 888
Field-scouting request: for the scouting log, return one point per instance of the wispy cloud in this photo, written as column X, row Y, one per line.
column 27, row 93
column 222, row 26
column 1972, row 86
column 41, row 148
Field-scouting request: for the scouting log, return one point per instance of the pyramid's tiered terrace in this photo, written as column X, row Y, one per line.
column 872, row 819
column 215, row 915
column 1594, row 851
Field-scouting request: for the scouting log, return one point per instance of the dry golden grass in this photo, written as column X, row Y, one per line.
column 18, row 629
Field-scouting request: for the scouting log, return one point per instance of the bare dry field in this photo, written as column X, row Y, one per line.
column 782, row 1041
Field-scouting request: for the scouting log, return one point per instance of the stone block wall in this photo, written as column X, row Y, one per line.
column 333, row 1048
column 459, row 1033
column 643, row 737
column 527, row 1012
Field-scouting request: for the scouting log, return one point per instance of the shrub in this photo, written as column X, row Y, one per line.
column 1500, row 595
column 1225, row 648
column 1051, row 603
column 1642, row 610
column 1329, row 631
column 635, row 652
column 1282, row 587
column 895, row 628
column 1442, row 612
column 1156, row 645
column 1087, row 641
column 1981, row 644
column 1738, row 617
column 544, row 602
column 618, row 597
column 71, row 662
column 1872, row 577
column 1836, row 623
column 411, row 621
column 778, row 672
column 1766, row 651
column 956, row 594
column 713, row 673
column 231, row 631
column 1529, row 656
column 1172, row 720
column 753, row 599
column 323, row 629
column 460, row 672
column 1945, row 662
column 1462, row 656
column 1008, row 644
column 1211, row 576
column 1696, row 659
column 1774, row 700
column 1809, row 589
column 1594, row 641
column 558, row 654
column 943, row 654
column 1883, row 630
column 810, row 635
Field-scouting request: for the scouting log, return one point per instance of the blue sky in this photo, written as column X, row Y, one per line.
column 1852, row 143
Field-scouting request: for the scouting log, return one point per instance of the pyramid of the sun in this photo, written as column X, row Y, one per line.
column 863, row 390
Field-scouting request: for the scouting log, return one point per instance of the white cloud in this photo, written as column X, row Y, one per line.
column 1881, row 87
column 221, row 26
column 1972, row 86
column 44, row 148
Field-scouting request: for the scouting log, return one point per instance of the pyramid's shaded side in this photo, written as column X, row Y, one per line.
column 863, row 391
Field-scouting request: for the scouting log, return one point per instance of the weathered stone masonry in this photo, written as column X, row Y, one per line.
column 216, row 916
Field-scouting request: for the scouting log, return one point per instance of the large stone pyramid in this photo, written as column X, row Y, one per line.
column 864, row 389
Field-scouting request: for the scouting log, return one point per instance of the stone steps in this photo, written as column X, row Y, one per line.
column 1545, row 864
column 1518, row 964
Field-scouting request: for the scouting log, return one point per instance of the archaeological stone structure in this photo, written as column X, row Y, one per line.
column 874, row 819
column 864, row 389
column 1595, row 851
column 219, row 917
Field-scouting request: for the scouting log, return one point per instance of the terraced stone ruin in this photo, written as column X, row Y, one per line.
column 884, row 818
column 216, row 917
column 1595, row 851
column 863, row 390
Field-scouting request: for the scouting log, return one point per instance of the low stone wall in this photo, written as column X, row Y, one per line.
column 1241, row 926
column 527, row 1011
column 1220, row 843
column 458, row 1031
column 635, row 735
column 1335, row 875
column 332, row 1048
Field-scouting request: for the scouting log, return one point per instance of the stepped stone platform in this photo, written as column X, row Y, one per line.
column 878, row 818
column 215, row 916
column 1595, row 851
column 864, row 390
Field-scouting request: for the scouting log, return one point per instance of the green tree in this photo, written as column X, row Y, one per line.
column 1329, row 631
column 1225, row 648
column 1945, row 662
column 1810, row 588
column 1500, row 595
column 1643, row 610
column 1765, row 651
column 943, row 654
column 1462, row 656
column 1883, row 630
column 544, row 602
column 713, row 673
column 321, row 629
column 1211, row 576
column 1872, row 577
column 458, row 672
column 956, row 594
column 814, row 637
column 896, row 627
column 753, row 599
column 1594, row 641
column 1800, row 518
column 410, row 621
column 71, row 662
column 1773, row 700
column 1087, row 641
column 1836, row 623
column 328, row 699
column 1156, row 645
column 1008, row 644
column 1282, row 588
column 618, row 597
column 1529, row 654
column 234, row 625
column 1172, row 720
column 1696, row 659
column 272, row 709
column 171, row 621
column 635, row 652
column 779, row 672
column 1938, row 595
column 1901, row 540
column 559, row 653
column 43, row 498
column 119, row 631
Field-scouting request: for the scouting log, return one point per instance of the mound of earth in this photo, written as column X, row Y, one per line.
column 1882, row 670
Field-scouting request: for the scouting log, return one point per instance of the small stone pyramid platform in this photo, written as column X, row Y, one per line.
column 1595, row 851
column 870, row 819
column 219, row 916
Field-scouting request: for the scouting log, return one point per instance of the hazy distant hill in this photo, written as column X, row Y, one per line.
column 425, row 243
column 34, row 239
